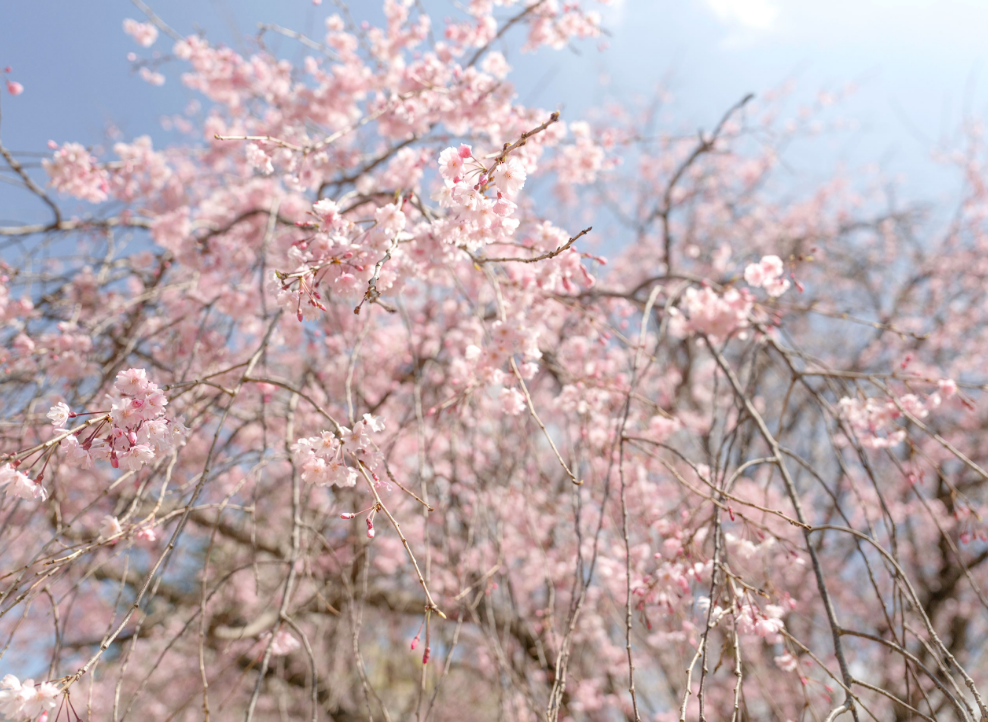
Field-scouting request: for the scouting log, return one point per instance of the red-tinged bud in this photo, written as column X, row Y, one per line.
column 425, row 657
column 347, row 515
column 415, row 642
column 371, row 533
column 731, row 512
column 299, row 315
column 39, row 478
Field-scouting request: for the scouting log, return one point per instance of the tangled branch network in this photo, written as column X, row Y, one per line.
column 334, row 410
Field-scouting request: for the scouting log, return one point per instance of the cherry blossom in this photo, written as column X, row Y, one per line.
column 767, row 274
column 143, row 33
column 25, row 699
column 59, row 414
column 338, row 367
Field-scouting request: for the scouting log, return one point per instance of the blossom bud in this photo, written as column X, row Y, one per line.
column 347, row 515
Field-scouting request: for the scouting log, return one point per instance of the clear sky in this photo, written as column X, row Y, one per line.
column 919, row 66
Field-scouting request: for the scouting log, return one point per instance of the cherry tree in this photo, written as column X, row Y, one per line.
column 336, row 411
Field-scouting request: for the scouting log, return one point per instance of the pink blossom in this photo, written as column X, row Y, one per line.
column 509, row 177
column 19, row 700
column 512, row 401
column 717, row 316
column 144, row 33
column 151, row 77
column 110, row 527
column 59, row 414
column 14, row 88
column 283, row 643
column 73, row 171
column 18, row 484
column 259, row 160
column 451, row 164
column 767, row 274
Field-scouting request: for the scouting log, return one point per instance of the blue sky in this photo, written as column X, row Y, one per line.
column 919, row 66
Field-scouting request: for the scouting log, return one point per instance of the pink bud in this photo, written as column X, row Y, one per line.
column 425, row 657
column 299, row 316
column 465, row 152
column 347, row 515
column 371, row 533
column 415, row 642
column 14, row 88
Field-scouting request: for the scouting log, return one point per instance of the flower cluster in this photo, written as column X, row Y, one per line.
column 873, row 421
column 20, row 484
column 767, row 624
column 476, row 218
column 716, row 316
column 322, row 457
column 767, row 274
column 19, row 700
column 73, row 171
column 143, row 33
column 132, row 434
